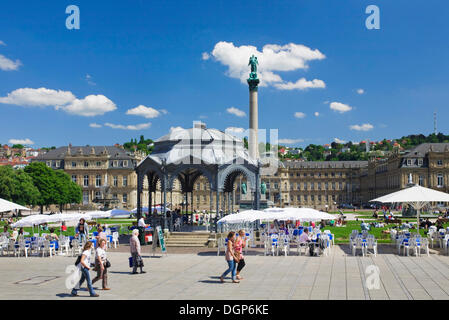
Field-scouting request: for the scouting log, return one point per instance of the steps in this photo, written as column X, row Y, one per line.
column 187, row 239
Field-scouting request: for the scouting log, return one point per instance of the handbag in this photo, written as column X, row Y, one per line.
column 107, row 264
column 78, row 260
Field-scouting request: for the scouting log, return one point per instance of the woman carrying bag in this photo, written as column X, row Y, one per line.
column 102, row 264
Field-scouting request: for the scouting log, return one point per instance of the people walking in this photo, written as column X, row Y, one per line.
column 84, row 266
column 240, row 243
column 231, row 258
column 101, row 264
column 134, row 244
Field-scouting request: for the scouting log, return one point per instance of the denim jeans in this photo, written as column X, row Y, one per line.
column 82, row 237
column 85, row 275
column 232, row 266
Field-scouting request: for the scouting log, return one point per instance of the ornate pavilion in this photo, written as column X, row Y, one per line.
column 187, row 154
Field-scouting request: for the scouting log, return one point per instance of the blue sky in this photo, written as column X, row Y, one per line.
column 176, row 59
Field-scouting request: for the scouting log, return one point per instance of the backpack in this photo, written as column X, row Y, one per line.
column 78, row 260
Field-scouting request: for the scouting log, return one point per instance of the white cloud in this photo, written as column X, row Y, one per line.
column 236, row 112
column 300, row 115
column 339, row 141
column 272, row 58
column 205, row 56
column 340, row 107
column 363, row 127
column 21, row 141
column 317, row 114
column 90, row 106
column 360, row 91
column 89, row 80
column 2, row 43
column 234, row 130
column 128, row 127
column 9, row 65
column 146, row 112
column 95, row 125
column 301, row 84
column 175, row 129
column 202, row 117
column 41, row 97
column 290, row 141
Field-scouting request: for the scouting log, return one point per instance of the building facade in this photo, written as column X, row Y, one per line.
column 105, row 173
column 426, row 165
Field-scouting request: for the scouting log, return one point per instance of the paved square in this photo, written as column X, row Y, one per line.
column 196, row 276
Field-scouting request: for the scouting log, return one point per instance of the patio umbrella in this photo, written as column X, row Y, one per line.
column 99, row 214
column 300, row 214
column 6, row 205
column 416, row 196
column 244, row 216
column 118, row 213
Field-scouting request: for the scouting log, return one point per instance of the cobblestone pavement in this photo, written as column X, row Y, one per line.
column 196, row 276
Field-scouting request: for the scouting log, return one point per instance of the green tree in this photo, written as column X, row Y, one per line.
column 17, row 146
column 44, row 179
column 17, row 186
column 69, row 191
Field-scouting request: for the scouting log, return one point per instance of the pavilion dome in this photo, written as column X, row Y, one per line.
column 210, row 146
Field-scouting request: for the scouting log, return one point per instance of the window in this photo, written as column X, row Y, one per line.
column 125, row 181
column 115, row 163
column 305, row 185
column 125, row 197
column 276, row 186
column 298, row 186
column 98, row 180
column 98, row 164
column 312, row 198
column 340, row 185
column 319, row 185
column 440, row 180
column 312, row 185
column 440, row 162
column 420, row 162
column 74, row 178
column 73, row 164
column 115, row 196
column 58, row 164
column 97, row 195
column 86, row 164
column 48, row 163
column 298, row 198
column 421, row 180
column 305, row 198
column 319, row 198
column 85, row 197
column 409, row 162
column 115, row 181
column 326, row 186
column 125, row 163
column 86, row 181
column 333, row 185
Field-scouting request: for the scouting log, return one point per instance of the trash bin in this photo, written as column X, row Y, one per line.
column 142, row 235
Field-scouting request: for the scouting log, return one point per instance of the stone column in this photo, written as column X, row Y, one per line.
column 253, row 119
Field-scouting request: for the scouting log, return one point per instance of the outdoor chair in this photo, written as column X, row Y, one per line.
column 115, row 237
column 274, row 244
column 23, row 247
column 4, row 245
column 76, row 247
column 358, row 244
column 64, row 244
column 425, row 245
column 284, row 245
column 403, row 242
column 300, row 246
column 12, row 247
column 326, row 242
column 371, row 244
column 49, row 248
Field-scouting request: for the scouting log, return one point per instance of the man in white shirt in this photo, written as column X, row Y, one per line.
column 141, row 222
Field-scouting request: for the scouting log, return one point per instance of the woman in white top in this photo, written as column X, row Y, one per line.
column 100, row 261
column 84, row 266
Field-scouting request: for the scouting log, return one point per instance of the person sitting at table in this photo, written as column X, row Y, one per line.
column 14, row 234
column 5, row 232
column 322, row 224
column 63, row 227
column 21, row 231
column 52, row 236
column 45, row 226
column 305, row 238
column 272, row 229
column 439, row 224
